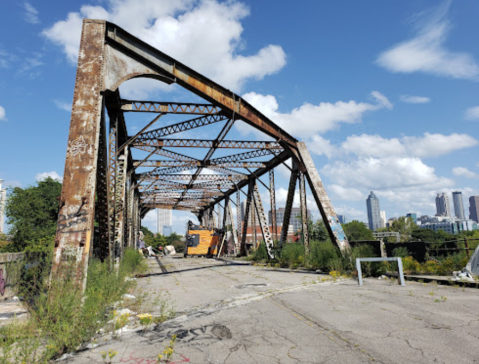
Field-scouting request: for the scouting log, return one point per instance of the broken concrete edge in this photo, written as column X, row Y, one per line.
column 441, row 281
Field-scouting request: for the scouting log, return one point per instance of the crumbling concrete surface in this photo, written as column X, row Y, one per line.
column 230, row 313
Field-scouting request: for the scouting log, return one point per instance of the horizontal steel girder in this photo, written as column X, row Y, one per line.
column 168, row 163
column 183, row 126
column 169, row 107
column 200, row 143
column 187, row 177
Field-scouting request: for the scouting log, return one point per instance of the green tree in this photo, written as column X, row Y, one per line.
column 32, row 213
column 317, row 230
column 357, row 230
column 404, row 226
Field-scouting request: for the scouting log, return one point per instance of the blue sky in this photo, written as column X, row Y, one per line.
column 384, row 93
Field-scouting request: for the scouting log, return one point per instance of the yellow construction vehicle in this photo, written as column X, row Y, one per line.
column 201, row 241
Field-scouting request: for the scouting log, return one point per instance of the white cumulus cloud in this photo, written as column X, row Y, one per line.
column 472, row 113
column 426, row 51
column 309, row 119
column 52, row 174
column 31, row 14
column 3, row 115
column 346, row 193
column 204, row 34
column 384, row 173
column 427, row 145
column 464, row 172
column 414, row 99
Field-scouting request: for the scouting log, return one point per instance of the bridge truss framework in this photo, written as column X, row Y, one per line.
column 106, row 191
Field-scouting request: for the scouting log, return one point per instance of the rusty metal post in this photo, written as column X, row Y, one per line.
column 253, row 223
column 233, row 230
column 112, row 146
column 304, row 212
column 263, row 222
column 326, row 209
column 289, row 202
column 249, row 198
column 238, row 217
column 122, row 164
column 74, row 236
column 272, row 195
column 219, row 217
column 102, row 189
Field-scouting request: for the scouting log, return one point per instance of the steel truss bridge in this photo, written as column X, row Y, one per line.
column 108, row 189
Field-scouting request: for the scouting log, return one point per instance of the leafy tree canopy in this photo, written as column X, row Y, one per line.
column 357, row 230
column 32, row 213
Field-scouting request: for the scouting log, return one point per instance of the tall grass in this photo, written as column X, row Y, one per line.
column 61, row 317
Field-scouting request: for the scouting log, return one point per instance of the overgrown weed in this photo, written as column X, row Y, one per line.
column 60, row 318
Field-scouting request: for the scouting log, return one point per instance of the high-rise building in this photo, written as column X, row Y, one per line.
column 383, row 219
column 458, row 205
column 294, row 221
column 413, row 216
column 474, row 208
column 374, row 212
column 342, row 219
column 443, row 207
column 3, row 202
column 165, row 219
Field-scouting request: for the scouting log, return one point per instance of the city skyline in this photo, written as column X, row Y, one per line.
column 374, row 212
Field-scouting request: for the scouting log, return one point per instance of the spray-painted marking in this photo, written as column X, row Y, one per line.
column 77, row 146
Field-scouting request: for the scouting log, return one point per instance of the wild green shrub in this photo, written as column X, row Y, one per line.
column 292, row 254
column 60, row 315
column 321, row 253
column 259, row 254
column 401, row 252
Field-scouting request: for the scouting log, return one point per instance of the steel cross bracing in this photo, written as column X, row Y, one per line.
column 122, row 172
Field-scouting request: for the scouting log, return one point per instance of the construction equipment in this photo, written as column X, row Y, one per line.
column 201, row 241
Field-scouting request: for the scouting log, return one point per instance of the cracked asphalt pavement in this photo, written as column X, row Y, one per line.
column 238, row 313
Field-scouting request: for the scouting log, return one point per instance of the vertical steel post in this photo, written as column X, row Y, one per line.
column 263, row 222
column 246, row 217
column 289, row 203
column 326, row 209
column 304, row 212
column 122, row 165
column 102, row 189
column 112, row 147
column 272, row 195
column 238, row 216
column 253, row 224
column 74, row 236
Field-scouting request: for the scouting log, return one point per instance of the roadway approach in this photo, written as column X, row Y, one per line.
column 240, row 313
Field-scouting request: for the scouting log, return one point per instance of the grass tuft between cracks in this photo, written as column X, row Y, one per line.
column 60, row 318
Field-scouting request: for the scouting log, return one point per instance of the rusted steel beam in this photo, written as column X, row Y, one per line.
column 201, row 143
column 326, row 209
column 249, row 200
column 149, row 207
column 289, row 202
column 272, row 196
column 169, row 163
column 183, row 126
column 173, row 71
column 263, row 222
column 242, row 156
column 304, row 212
column 283, row 156
column 74, row 236
column 166, row 153
column 188, row 177
column 169, row 107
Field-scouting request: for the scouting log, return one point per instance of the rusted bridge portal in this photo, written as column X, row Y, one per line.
column 113, row 178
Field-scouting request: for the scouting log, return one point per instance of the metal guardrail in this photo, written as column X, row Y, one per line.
column 395, row 259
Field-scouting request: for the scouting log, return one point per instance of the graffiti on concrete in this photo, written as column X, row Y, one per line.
column 139, row 360
column 204, row 334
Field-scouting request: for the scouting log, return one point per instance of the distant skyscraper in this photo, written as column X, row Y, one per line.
column 374, row 212
column 443, row 206
column 342, row 219
column 458, row 205
column 3, row 201
column 165, row 219
column 383, row 219
column 474, row 208
column 413, row 216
